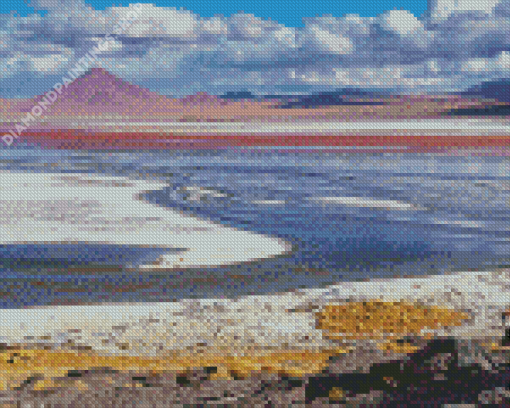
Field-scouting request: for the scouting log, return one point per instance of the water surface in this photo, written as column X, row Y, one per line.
column 349, row 215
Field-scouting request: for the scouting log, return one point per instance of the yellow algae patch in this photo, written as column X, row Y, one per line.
column 45, row 385
column 295, row 364
column 47, row 366
column 377, row 319
column 497, row 347
column 396, row 347
column 336, row 394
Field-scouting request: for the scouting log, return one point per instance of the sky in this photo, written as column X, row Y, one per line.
column 287, row 12
column 265, row 47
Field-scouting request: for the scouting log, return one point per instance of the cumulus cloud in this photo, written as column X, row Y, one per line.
column 159, row 22
column 456, row 44
column 441, row 10
column 325, row 41
column 48, row 64
column 401, row 22
column 480, row 66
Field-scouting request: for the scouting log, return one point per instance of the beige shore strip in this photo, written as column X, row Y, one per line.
column 265, row 125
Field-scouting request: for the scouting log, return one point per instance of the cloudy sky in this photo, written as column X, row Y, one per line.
column 442, row 46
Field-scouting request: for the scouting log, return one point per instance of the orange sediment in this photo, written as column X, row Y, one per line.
column 377, row 319
column 16, row 366
column 356, row 320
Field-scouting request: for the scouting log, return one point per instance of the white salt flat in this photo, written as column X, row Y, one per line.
column 56, row 208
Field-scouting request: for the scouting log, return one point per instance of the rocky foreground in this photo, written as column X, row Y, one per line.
column 431, row 341
column 443, row 371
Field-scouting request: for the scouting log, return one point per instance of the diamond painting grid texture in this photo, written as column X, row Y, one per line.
column 211, row 240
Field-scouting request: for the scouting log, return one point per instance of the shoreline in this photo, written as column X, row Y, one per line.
column 295, row 142
column 484, row 295
column 225, row 347
column 279, row 335
column 50, row 353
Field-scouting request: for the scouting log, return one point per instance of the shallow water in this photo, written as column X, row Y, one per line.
column 349, row 216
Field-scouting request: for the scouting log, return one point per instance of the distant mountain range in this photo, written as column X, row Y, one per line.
column 496, row 90
column 499, row 90
column 99, row 94
column 336, row 97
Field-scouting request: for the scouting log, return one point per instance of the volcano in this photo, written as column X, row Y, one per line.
column 99, row 103
column 97, row 91
column 98, row 87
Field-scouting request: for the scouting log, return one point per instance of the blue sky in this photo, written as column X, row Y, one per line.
column 287, row 12
column 315, row 46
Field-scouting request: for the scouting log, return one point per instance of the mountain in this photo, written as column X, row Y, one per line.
column 97, row 91
column 202, row 98
column 499, row 89
column 240, row 95
column 338, row 97
column 98, row 87
column 97, row 94
column 491, row 110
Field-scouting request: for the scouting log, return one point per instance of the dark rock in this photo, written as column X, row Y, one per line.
column 445, row 371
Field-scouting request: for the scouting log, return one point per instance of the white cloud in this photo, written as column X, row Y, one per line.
column 433, row 66
column 154, row 21
column 330, row 42
column 286, row 36
column 246, row 26
column 476, row 65
column 503, row 61
column 457, row 44
column 440, row 10
column 213, row 26
column 51, row 63
column 496, row 65
column 401, row 22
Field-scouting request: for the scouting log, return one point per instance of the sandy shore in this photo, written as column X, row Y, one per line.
column 84, row 208
column 269, row 321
